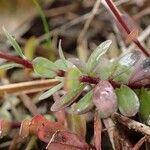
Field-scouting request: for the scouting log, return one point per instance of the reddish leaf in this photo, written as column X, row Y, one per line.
column 65, row 137
column 46, row 131
column 97, row 131
column 141, row 72
column 44, row 128
column 36, row 122
column 58, row 146
column 104, row 98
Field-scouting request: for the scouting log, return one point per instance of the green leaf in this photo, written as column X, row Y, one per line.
column 14, row 43
column 107, row 70
column 96, row 55
column 68, row 98
column 128, row 101
column 84, row 104
column 9, row 66
column 71, row 78
column 44, row 67
column 125, row 63
column 51, row 91
column 145, row 105
column 62, row 65
column 61, row 54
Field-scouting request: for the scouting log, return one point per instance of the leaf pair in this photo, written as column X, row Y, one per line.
column 107, row 100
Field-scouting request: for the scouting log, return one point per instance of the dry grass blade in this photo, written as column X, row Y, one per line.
column 28, row 103
column 28, row 87
column 97, row 131
column 88, row 22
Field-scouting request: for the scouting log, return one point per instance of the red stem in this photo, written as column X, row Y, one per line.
column 116, row 13
column 115, row 84
column 15, row 124
column 15, row 59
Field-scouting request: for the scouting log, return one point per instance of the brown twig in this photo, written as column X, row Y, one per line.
column 132, row 124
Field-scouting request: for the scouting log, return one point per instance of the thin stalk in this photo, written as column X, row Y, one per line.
column 117, row 15
column 24, row 62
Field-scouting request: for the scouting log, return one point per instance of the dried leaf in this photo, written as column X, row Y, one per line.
column 77, row 124
column 97, row 131
column 24, row 129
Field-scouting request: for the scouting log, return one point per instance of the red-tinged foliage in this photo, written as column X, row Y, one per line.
column 46, row 131
column 37, row 122
column 97, row 131
column 70, row 139
column 104, row 98
column 142, row 73
column 53, row 133
column 58, row 146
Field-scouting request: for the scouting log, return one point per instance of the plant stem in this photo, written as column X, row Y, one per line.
column 116, row 13
column 25, row 63
column 15, row 124
column 115, row 84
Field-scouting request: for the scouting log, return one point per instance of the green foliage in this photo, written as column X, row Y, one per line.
column 44, row 67
column 128, row 101
column 68, row 98
column 84, row 104
column 51, row 91
column 14, row 44
column 96, row 56
column 145, row 105
column 7, row 66
column 125, row 63
column 71, row 78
